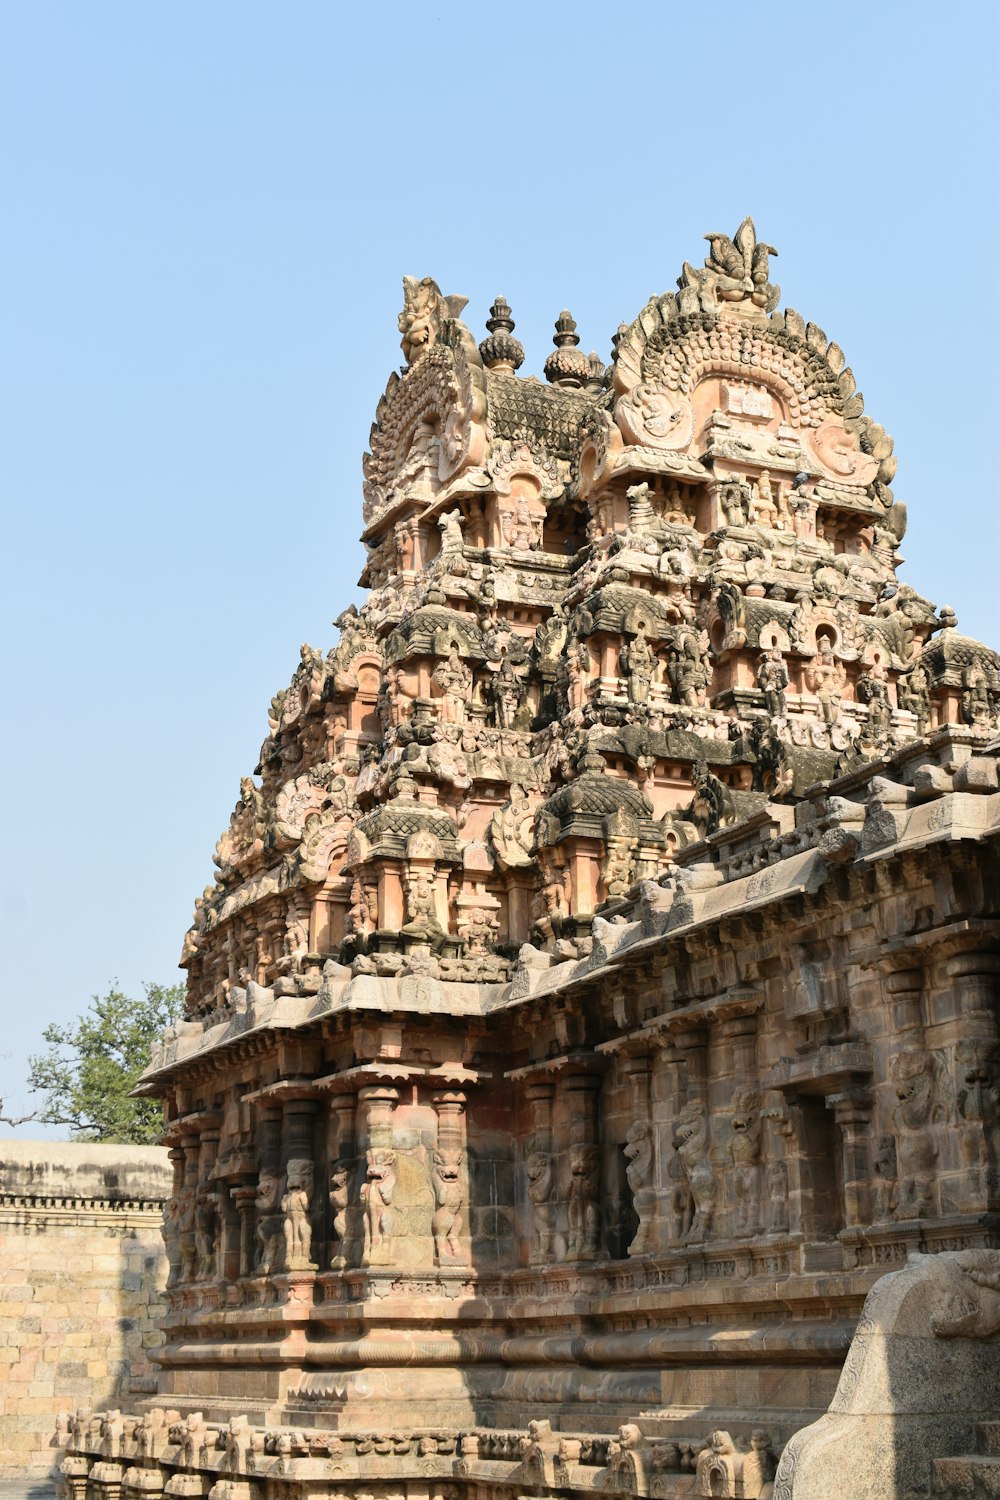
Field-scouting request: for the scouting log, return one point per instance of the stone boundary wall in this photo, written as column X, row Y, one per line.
column 82, row 1269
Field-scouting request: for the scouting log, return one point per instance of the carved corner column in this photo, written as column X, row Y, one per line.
column 540, row 1170
column 578, row 1092
column 297, row 1202
column 171, row 1216
column 450, row 1177
column 343, row 1153
column 640, row 1149
column 190, row 1145
column 977, row 1079
column 375, row 1132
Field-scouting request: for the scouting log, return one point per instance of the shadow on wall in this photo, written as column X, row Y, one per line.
column 82, row 1268
column 922, row 1373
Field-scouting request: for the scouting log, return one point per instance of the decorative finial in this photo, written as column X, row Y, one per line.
column 567, row 365
column 501, row 351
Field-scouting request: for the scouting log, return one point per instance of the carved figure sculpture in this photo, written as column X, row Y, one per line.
column 873, row 689
column 915, row 1074
column 826, row 677
column 422, row 919
column 777, row 1198
column 969, row 1305
column 758, row 1465
column 976, row 706
column 913, row 692
column 718, row 1467
column 639, row 666
column 689, row 671
column 744, row 1152
column 540, row 1183
column 206, row 1230
column 506, row 694
column 340, row 1198
column 453, row 679
column 772, row 679
column 296, row 1204
column 270, row 1222
column 449, row 1194
column 584, row 1213
column 691, row 1145
column 638, row 1173
column 376, row 1199
column 884, row 1169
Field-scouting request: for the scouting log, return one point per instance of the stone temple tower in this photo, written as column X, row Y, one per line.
column 597, row 990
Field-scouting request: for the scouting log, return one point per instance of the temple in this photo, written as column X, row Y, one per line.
column 597, row 992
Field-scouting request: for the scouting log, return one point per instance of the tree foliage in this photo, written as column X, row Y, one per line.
column 93, row 1064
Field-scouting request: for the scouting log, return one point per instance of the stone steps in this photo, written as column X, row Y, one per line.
column 972, row 1474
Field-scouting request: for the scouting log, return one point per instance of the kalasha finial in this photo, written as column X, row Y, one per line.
column 567, row 365
column 501, row 351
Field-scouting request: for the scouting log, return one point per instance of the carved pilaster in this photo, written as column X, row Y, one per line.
column 450, row 1179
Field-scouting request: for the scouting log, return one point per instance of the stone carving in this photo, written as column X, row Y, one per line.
column 449, row 1194
column 744, row 1152
column 206, row 1220
column 512, row 830
column 884, row 1186
column 639, row 1172
column 967, row 1304
column 736, row 271
column 376, row 1199
column 453, row 679
column 826, row 677
column 296, row 1205
column 917, row 1111
column 540, row 1187
column 270, row 1222
column 638, row 664
column 584, row 1207
column 424, row 314
column 340, row 1198
column 772, row 679
column 691, row 1145
column 777, row 1198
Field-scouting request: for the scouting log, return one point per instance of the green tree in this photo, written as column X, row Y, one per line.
column 93, row 1064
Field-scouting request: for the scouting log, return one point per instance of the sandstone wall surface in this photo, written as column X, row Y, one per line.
column 82, row 1270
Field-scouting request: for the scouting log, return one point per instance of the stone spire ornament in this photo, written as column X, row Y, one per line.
column 567, row 365
column 501, row 352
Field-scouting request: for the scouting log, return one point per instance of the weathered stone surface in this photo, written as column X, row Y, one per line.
column 82, row 1270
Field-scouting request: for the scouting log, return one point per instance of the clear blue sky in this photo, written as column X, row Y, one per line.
column 207, row 212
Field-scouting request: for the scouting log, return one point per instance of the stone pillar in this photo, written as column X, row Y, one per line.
column 852, row 1111
column 188, row 1206
column 375, row 1131
column 244, row 1200
column 343, row 1151
column 640, row 1150
column 583, row 1187
column 904, row 986
column 540, row 1170
column 450, row 1176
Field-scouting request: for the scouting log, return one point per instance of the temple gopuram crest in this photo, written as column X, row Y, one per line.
column 596, row 993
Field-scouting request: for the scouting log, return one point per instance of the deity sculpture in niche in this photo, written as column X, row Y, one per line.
column 540, row 1185
column 688, row 671
column 873, row 689
column 826, row 677
column 584, row 1211
column 772, row 679
column 296, row 1205
column 638, row 664
column 453, row 679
